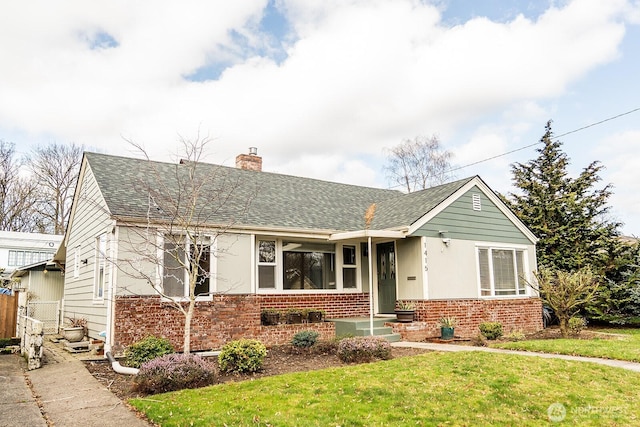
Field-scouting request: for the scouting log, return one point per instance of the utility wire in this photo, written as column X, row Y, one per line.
column 555, row 138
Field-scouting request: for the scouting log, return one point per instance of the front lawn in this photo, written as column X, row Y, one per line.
column 621, row 344
column 468, row 388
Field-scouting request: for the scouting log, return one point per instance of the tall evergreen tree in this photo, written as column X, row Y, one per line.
column 569, row 215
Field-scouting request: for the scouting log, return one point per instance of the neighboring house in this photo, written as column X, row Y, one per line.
column 18, row 249
column 454, row 250
column 40, row 289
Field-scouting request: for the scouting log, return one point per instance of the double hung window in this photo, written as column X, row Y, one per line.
column 501, row 271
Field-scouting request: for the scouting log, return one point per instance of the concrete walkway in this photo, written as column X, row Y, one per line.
column 62, row 393
column 18, row 407
column 631, row 366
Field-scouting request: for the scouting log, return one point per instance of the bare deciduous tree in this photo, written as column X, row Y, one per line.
column 190, row 204
column 418, row 163
column 55, row 168
column 17, row 194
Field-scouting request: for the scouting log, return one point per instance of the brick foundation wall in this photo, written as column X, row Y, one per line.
column 214, row 323
column 334, row 305
column 522, row 314
column 231, row 317
column 282, row 334
column 226, row 318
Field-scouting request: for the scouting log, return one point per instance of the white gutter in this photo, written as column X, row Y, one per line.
column 370, row 286
column 387, row 234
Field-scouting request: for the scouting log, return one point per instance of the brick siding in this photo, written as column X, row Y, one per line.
column 522, row 314
column 226, row 318
column 334, row 305
column 231, row 317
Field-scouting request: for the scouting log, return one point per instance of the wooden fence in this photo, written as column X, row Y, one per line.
column 8, row 315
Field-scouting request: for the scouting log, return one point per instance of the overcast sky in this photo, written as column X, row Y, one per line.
column 322, row 87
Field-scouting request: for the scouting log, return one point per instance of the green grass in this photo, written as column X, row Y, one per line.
column 626, row 346
column 469, row 388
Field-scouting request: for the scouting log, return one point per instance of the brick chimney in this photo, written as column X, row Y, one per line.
column 251, row 161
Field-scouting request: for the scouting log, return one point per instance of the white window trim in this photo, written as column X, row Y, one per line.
column 279, row 285
column 502, row 246
column 277, row 265
column 341, row 266
column 76, row 262
column 213, row 285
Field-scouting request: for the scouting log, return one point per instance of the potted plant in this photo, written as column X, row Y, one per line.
column 405, row 311
column 270, row 316
column 447, row 326
column 294, row 315
column 313, row 315
column 76, row 329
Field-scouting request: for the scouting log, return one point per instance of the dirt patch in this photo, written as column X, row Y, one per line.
column 279, row 360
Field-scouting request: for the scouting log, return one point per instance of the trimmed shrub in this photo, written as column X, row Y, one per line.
column 147, row 349
column 305, row 339
column 491, row 330
column 173, row 372
column 577, row 324
column 242, row 356
column 363, row 349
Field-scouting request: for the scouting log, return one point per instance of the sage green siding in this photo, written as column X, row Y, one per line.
column 461, row 222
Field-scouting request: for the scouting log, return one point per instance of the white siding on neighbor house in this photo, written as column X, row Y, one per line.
column 452, row 269
column 409, row 256
column 233, row 259
column 90, row 219
column 43, row 286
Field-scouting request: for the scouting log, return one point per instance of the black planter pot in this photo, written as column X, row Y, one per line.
column 269, row 319
column 405, row 316
column 294, row 318
column 314, row 317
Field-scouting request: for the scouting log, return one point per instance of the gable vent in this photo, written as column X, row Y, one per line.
column 477, row 205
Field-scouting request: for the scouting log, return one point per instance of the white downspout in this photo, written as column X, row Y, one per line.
column 370, row 286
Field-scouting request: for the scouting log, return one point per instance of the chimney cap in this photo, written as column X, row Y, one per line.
column 253, row 151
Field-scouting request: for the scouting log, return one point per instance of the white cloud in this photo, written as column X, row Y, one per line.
column 359, row 76
column 619, row 153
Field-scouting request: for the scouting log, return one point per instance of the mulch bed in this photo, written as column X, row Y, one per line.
column 279, row 360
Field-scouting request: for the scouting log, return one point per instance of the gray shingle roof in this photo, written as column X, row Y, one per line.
column 274, row 200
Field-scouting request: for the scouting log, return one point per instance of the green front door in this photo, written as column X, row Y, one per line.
column 386, row 278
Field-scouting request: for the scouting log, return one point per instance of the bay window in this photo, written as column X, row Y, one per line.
column 501, row 271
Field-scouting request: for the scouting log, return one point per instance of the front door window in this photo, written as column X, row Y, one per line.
column 386, row 277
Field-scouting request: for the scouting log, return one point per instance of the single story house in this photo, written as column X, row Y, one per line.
column 279, row 241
